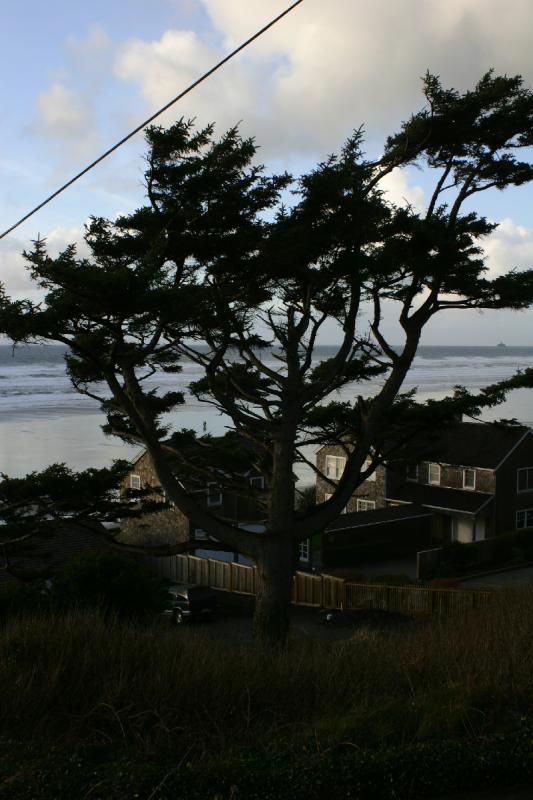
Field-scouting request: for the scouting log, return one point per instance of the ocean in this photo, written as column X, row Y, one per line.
column 44, row 420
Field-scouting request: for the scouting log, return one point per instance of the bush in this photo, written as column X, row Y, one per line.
column 110, row 582
column 22, row 598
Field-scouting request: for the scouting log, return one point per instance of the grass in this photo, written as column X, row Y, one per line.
column 80, row 681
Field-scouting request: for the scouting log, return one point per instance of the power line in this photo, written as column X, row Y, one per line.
column 154, row 116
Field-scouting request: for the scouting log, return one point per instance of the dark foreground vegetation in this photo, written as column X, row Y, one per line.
column 91, row 706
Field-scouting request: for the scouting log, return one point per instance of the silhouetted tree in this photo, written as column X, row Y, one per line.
column 217, row 269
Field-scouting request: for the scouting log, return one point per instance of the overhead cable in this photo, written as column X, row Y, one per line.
column 150, row 119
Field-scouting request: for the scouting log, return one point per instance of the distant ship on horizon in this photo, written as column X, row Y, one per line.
column 501, row 344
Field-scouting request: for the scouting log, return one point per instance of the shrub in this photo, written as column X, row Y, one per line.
column 111, row 582
column 21, row 598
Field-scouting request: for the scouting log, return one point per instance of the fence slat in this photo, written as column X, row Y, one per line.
column 323, row 590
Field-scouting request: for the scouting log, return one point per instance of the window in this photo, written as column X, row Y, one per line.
column 335, row 467
column 214, row 495
column 135, row 481
column 258, row 482
column 366, row 465
column 411, row 472
column 469, row 479
column 305, row 550
column 199, row 533
column 365, row 505
column 327, row 495
column 524, row 518
column 524, row 479
column 434, row 474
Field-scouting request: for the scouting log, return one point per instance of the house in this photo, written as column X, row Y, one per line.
column 475, row 479
column 240, row 504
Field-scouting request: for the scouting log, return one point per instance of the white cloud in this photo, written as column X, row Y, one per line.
column 14, row 275
column 62, row 113
column 92, row 51
column 162, row 69
column 398, row 190
column 509, row 247
column 327, row 68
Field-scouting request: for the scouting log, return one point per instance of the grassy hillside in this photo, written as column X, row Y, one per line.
column 157, row 699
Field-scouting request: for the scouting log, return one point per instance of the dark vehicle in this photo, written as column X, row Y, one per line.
column 191, row 603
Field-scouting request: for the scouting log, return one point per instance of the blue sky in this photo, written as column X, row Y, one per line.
column 78, row 76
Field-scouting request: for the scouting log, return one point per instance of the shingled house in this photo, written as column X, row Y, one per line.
column 475, row 479
column 237, row 506
column 478, row 481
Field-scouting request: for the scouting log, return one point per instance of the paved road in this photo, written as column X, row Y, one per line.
column 503, row 580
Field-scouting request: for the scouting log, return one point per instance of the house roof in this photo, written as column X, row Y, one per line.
column 439, row 497
column 472, row 444
column 380, row 516
column 467, row 444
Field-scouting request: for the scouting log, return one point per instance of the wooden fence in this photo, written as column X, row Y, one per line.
column 322, row 591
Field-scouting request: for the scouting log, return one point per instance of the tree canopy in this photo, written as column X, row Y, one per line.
column 227, row 264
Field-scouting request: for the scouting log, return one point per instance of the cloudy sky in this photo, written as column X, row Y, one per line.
column 78, row 76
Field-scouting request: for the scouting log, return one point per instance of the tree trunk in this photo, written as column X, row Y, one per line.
column 273, row 591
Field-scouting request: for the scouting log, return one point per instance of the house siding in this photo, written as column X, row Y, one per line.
column 508, row 501
column 374, row 490
column 451, row 476
column 233, row 507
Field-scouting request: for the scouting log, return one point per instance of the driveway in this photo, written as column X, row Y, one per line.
column 509, row 579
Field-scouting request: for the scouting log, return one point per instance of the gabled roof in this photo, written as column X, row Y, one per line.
column 439, row 497
column 472, row 444
column 465, row 444
column 379, row 516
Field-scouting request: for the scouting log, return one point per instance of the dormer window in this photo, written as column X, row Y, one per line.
column 335, row 467
column 434, row 474
column 469, row 479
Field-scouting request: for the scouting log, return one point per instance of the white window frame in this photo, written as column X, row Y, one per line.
column 327, row 496
column 214, row 499
column 528, row 488
column 437, row 466
column 410, row 477
column 365, row 505
column 474, row 473
column 304, row 550
column 335, row 467
column 525, row 513
column 366, row 465
column 135, row 482
column 257, row 482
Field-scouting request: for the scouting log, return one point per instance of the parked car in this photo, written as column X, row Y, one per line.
column 191, row 603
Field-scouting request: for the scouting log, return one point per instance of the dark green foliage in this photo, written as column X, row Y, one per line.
column 23, row 598
column 38, row 507
column 110, row 582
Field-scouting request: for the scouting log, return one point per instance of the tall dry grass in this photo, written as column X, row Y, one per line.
column 81, row 677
